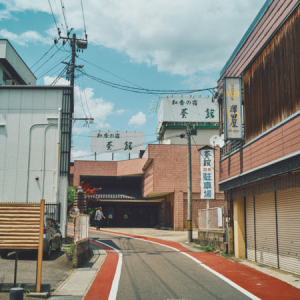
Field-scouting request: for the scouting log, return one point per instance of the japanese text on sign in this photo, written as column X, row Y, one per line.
column 233, row 108
column 117, row 142
column 207, row 174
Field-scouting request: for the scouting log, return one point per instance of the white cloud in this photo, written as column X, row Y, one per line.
column 181, row 37
column 87, row 106
column 26, row 38
column 138, row 120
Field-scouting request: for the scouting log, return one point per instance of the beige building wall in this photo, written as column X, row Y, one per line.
column 239, row 228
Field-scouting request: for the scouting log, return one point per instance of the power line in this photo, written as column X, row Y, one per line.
column 53, row 16
column 112, row 151
column 59, row 76
column 87, row 105
column 111, row 73
column 47, row 59
column 64, row 14
column 143, row 90
column 42, row 56
column 53, row 67
column 83, row 18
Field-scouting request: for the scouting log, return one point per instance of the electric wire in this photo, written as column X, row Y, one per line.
column 53, row 16
column 53, row 67
column 64, row 14
column 111, row 73
column 42, row 56
column 83, row 18
column 47, row 60
column 142, row 90
column 59, row 76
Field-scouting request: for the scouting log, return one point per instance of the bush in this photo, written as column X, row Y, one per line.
column 71, row 197
column 208, row 249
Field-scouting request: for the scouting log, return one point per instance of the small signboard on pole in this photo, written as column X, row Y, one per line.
column 207, row 181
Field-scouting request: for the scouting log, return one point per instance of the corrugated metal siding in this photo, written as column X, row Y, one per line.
column 250, row 236
column 266, row 244
column 288, row 207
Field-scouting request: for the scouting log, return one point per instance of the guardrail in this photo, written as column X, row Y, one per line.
column 81, row 228
column 211, row 218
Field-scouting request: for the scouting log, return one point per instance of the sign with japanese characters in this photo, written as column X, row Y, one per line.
column 117, row 141
column 233, row 108
column 207, row 181
column 195, row 109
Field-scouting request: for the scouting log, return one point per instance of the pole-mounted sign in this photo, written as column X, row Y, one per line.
column 233, row 108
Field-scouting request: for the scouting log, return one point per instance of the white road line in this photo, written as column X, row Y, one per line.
column 115, row 284
column 236, row 286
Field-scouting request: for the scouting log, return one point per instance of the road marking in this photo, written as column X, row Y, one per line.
column 236, row 286
column 115, row 284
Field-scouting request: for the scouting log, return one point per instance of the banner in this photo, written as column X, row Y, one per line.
column 233, row 108
column 117, row 141
column 188, row 110
column 207, row 181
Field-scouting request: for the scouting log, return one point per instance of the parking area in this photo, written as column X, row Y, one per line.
column 55, row 269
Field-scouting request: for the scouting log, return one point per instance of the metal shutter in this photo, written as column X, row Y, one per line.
column 250, row 233
column 265, row 224
column 288, row 208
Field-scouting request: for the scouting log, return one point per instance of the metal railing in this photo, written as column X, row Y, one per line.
column 53, row 211
column 231, row 146
column 211, row 218
column 81, row 228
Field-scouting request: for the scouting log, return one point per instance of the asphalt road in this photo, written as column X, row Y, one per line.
column 151, row 271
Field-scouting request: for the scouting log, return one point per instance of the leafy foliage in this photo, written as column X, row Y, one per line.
column 71, row 197
column 208, row 249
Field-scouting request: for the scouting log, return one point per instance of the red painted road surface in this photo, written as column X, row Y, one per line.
column 101, row 286
column 259, row 284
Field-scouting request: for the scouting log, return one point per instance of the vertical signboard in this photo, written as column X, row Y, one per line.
column 233, row 108
column 207, row 181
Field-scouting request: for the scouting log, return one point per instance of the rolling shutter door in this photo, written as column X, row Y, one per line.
column 250, row 233
column 288, row 208
column 265, row 218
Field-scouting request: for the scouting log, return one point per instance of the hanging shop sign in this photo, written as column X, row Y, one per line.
column 117, row 141
column 207, row 181
column 188, row 110
column 233, row 108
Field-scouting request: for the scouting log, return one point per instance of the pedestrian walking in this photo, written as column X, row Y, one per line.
column 98, row 217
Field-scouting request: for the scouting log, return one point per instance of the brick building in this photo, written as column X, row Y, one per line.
column 151, row 190
column 261, row 174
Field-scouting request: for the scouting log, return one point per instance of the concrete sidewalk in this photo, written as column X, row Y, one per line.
column 78, row 283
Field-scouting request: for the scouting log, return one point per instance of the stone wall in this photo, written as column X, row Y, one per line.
column 81, row 252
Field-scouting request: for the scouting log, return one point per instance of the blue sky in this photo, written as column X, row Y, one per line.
column 155, row 44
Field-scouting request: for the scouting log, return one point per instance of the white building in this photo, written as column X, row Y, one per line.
column 35, row 138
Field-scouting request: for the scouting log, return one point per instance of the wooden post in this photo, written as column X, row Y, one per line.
column 16, row 268
column 40, row 249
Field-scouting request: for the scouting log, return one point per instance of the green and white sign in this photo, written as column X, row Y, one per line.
column 117, row 141
column 188, row 110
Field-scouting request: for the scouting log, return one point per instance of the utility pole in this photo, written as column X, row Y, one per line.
column 73, row 45
column 189, row 183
